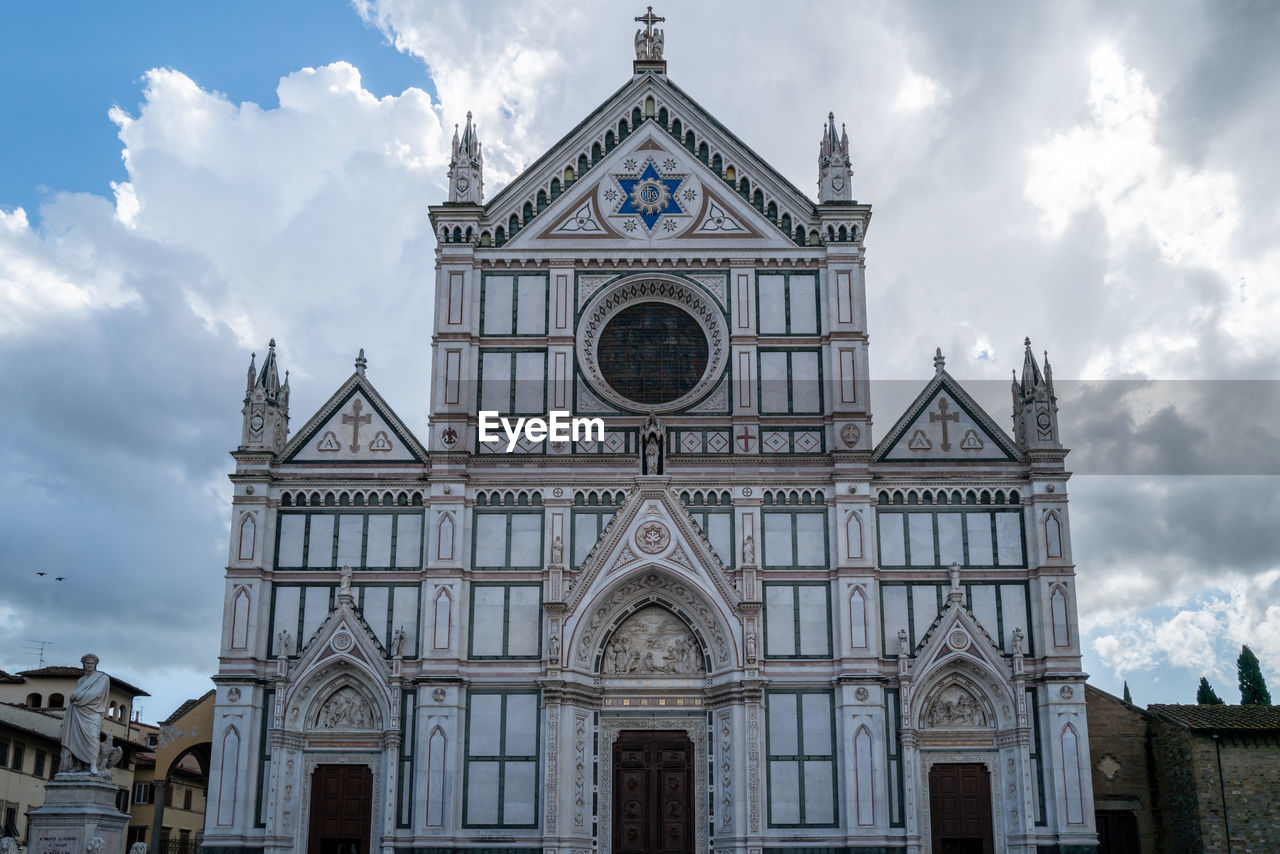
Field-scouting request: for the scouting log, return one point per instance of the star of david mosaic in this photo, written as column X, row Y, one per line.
column 650, row 196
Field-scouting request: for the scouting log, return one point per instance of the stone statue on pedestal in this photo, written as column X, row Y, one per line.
column 82, row 723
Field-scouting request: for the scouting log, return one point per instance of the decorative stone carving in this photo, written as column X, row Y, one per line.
column 904, row 645
column 1018, row 637
column 850, row 434
column 233, row 694
column 1108, row 766
column 748, row 549
column 956, row 708
column 138, row 848
column 557, row 552
column 284, row 643
column 652, row 643
column 8, row 846
column 345, row 709
column 398, row 638
column 861, row 694
column 652, row 537
column 438, row 695
column 96, row 845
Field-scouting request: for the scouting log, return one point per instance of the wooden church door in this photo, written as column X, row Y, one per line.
column 960, row 809
column 652, row 793
column 341, row 810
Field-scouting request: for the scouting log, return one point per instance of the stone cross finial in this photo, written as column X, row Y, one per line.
column 361, row 362
column 649, row 41
column 938, row 361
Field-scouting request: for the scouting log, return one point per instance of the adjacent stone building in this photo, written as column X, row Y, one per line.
column 735, row 618
column 1219, row 774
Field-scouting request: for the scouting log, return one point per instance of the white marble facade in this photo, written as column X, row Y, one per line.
column 827, row 615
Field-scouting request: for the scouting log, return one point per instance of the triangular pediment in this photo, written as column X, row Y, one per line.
column 341, row 679
column 650, row 190
column 957, row 645
column 557, row 200
column 354, row 426
column 652, row 529
column 945, row 423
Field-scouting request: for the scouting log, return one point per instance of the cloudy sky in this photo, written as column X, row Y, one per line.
column 183, row 183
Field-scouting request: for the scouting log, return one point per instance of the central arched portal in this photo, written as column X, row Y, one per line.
column 653, row 666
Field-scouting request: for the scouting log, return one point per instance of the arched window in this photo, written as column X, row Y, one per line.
column 814, row 239
column 730, row 175
column 583, row 164
column 1052, row 535
column 526, row 213
column 1058, row 609
column 623, row 130
column 662, row 116
column 513, row 225
column 34, row 700
column 757, row 199
column 842, row 234
column 677, row 129
column 704, row 153
column 569, row 176
column 56, row 701
column 499, row 237
column 609, row 141
column 596, row 153
column 690, row 141
column 542, row 200
column 248, row 536
column 771, row 211
column 555, row 189
column 649, row 106
column 744, row 188
column 457, row 234
column 785, row 223
column 717, row 164
column 800, row 235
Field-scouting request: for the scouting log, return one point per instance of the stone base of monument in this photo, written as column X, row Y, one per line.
column 78, row 807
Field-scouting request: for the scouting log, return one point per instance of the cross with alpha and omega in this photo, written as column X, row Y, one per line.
column 355, row 420
column 944, row 416
column 649, row 19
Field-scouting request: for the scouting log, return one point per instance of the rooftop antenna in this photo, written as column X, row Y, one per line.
column 36, row 647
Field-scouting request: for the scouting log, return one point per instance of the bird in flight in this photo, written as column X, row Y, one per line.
column 41, row 574
column 60, row 578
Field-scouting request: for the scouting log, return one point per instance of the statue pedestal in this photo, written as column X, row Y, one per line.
column 77, row 807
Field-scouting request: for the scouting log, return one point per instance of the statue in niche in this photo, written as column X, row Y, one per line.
column 904, row 645
column 345, row 709
column 651, row 442
column 344, row 586
column 748, row 549
column 653, row 642
column 82, row 722
column 557, row 551
column 1018, row 638
column 956, row 708
column 284, row 643
column 397, row 642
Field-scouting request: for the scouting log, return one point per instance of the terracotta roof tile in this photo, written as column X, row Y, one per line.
column 1219, row 717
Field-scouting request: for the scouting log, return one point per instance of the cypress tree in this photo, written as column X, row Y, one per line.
column 1206, row 696
column 1253, row 688
column 1128, row 698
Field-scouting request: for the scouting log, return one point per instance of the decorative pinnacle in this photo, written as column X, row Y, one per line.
column 1027, row 342
column 938, row 361
column 272, row 344
column 361, row 362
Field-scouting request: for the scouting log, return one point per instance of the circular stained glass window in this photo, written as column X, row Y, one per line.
column 652, row 353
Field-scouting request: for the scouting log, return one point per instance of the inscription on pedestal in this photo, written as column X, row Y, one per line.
column 58, row 841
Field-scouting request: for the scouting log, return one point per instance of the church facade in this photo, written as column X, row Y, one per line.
column 724, row 616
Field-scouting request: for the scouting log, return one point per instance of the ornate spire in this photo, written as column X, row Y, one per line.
column 266, row 405
column 361, row 362
column 466, row 166
column 938, row 361
column 1035, row 407
column 835, row 174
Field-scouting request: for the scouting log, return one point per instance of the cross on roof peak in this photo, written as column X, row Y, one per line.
column 649, row 19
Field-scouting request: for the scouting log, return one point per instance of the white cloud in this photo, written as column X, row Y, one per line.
column 919, row 93
column 1150, row 202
